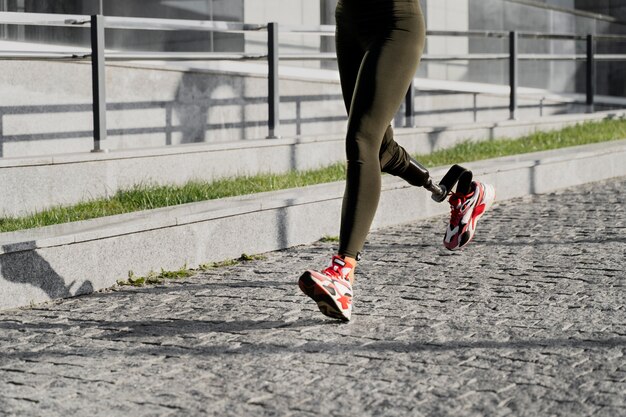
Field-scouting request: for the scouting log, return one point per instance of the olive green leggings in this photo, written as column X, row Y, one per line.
column 379, row 45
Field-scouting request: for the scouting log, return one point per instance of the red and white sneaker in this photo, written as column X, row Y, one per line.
column 465, row 210
column 330, row 289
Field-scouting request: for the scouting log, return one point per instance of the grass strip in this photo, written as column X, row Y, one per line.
column 183, row 272
column 149, row 196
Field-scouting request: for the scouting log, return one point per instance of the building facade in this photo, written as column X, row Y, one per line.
column 552, row 16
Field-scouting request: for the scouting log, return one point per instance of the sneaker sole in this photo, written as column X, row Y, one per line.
column 325, row 301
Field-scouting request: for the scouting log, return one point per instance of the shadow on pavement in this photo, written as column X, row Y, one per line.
column 145, row 337
column 142, row 338
column 552, row 242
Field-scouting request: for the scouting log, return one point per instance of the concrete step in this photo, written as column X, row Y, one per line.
column 46, row 106
column 67, row 260
column 35, row 183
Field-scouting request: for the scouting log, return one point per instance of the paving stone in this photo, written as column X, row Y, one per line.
column 528, row 320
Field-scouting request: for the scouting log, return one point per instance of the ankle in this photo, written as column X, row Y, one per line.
column 353, row 263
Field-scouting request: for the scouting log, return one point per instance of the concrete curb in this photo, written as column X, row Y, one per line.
column 66, row 260
column 96, row 175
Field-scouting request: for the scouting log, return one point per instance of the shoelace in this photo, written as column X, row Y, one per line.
column 456, row 201
column 334, row 270
column 456, row 204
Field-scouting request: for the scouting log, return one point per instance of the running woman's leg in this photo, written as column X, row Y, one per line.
column 395, row 160
column 379, row 43
column 386, row 70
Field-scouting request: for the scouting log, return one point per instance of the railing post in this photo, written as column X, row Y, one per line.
column 273, row 95
column 409, row 106
column 591, row 74
column 98, row 79
column 513, row 74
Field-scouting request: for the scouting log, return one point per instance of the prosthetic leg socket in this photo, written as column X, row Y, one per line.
column 416, row 174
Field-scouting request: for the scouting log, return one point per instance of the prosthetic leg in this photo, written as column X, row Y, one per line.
column 416, row 174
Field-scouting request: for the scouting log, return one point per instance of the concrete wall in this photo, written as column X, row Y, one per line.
column 285, row 12
column 228, row 10
column 614, row 8
column 448, row 15
column 32, row 184
column 555, row 16
column 46, row 107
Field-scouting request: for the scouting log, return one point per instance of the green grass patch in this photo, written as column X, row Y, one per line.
column 232, row 262
column 148, row 196
column 221, row 264
column 184, row 272
column 155, row 278
column 181, row 273
column 581, row 134
column 248, row 258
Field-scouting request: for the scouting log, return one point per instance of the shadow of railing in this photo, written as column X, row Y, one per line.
column 166, row 126
column 195, row 129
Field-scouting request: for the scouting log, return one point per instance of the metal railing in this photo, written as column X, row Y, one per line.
column 98, row 56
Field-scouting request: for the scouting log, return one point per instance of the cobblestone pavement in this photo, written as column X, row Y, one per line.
column 528, row 321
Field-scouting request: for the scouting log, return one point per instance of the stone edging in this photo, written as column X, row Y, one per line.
column 65, row 260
